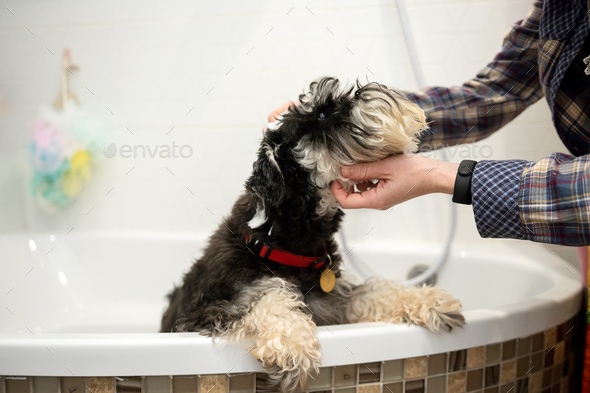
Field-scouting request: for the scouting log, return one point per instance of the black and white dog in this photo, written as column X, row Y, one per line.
column 267, row 274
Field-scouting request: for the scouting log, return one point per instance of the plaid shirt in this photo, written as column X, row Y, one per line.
column 546, row 201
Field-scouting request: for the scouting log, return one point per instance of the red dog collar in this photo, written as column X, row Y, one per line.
column 287, row 258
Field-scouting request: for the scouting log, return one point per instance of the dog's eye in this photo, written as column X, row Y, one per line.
column 322, row 116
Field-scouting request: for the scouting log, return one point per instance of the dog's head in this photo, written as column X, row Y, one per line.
column 303, row 151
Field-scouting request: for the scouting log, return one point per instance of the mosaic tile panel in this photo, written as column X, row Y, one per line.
column 393, row 370
column 46, row 384
column 129, row 385
column 214, row 383
column 415, row 367
column 347, row 375
column 100, row 385
column 19, row 384
column 190, row 384
column 369, row 372
column 73, row 385
column 476, row 357
column 375, row 388
column 437, row 364
column 322, row 380
column 241, row 383
column 157, row 385
column 541, row 363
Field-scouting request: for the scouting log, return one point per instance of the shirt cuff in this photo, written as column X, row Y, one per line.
column 495, row 190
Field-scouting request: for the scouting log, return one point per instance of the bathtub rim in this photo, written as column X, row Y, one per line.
column 48, row 354
column 142, row 353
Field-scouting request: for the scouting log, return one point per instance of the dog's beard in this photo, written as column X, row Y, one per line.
column 381, row 123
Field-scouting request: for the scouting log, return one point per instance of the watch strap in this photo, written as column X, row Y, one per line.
column 462, row 190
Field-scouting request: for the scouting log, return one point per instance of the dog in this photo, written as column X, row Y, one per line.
column 270, row 274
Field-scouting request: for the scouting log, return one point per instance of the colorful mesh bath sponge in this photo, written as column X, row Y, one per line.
column 66, row 144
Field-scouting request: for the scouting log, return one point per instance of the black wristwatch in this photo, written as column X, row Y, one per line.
column 462, row 191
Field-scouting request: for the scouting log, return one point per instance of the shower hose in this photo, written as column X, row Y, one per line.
column 359, row 266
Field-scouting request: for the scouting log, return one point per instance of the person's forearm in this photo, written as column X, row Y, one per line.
column 443, row 175
column 435, row 176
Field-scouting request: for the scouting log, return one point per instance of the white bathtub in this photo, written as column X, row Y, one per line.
column 90, row 304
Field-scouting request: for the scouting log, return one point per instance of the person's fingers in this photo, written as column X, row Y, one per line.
column 373, row 170
column 338, row 191
column 273, row 116
column 354, row 200
column 361, row 200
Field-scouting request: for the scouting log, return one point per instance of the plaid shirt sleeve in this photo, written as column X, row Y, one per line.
column 499, row 92
column 502, row 193
column 554, row 200
column 546, row 201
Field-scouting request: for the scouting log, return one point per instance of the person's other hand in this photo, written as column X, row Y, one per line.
column 401, row 178
column 275, row 114
column 283, row 107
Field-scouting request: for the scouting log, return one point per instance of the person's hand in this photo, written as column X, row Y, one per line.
column 273, row 116
column 401, row 178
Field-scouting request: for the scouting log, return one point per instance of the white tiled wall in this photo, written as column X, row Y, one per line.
column 212, row 71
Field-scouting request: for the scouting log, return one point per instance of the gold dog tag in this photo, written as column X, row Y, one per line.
column 327, row 280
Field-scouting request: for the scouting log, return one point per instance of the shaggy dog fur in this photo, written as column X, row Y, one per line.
column 233, row 293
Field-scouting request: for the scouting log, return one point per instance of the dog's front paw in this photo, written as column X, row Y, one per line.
column 449, row 316
column 289, row 351
column 444, row 313
column 289, row 354
column 290, row 370
column 285, row 338
column 294, row 376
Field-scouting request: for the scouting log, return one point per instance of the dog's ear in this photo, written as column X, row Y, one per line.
column 267, row 180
